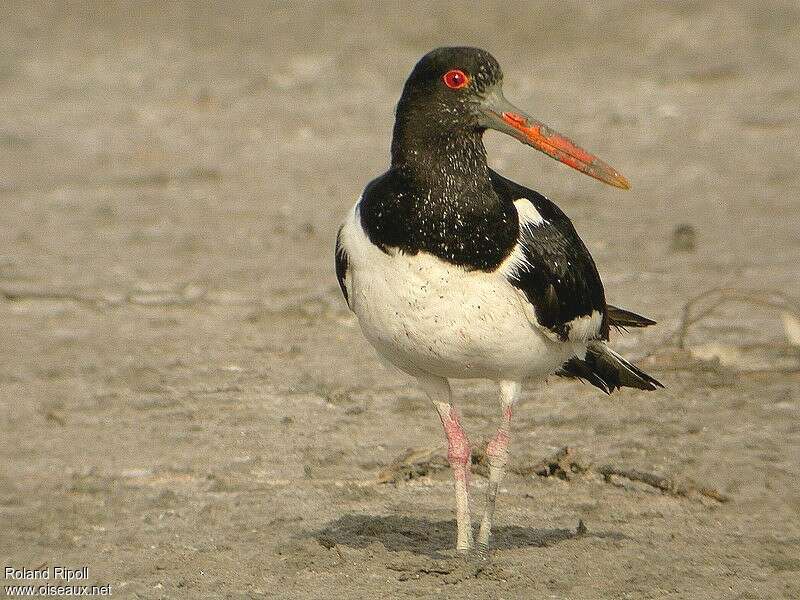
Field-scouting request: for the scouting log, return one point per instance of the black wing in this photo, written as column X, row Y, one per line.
column 558, row 277
column 621, row 319
column 341, row 265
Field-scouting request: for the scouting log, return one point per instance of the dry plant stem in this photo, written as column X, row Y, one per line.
column 693, row 311
column 664, row 484
column 20, row 296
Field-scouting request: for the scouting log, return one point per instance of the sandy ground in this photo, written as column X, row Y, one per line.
column 188, row 408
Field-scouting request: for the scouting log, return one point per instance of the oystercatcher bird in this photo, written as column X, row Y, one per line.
column 456, row 272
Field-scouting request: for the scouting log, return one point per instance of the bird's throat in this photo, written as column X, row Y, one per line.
column 446, row 162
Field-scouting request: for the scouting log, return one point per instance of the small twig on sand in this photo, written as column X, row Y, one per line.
column 565, row 462
column 19, row 296
column 665, row 484
column 187, row 295
column 414, row 463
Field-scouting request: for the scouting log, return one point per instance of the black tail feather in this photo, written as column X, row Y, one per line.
column 621, row 318
column 607, row 370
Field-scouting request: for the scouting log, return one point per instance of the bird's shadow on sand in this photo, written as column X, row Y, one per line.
column 432, row 538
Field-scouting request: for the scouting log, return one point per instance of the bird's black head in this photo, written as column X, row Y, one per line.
column 439, row 111
column 447, row 86
column 451, row 97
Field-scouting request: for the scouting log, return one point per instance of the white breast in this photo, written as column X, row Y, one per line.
column 426, row 315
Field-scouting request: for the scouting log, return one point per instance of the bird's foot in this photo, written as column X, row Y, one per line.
column 477, row 554
column 480, row 554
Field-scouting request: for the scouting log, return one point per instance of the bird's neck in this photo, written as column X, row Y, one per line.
column 452, row 162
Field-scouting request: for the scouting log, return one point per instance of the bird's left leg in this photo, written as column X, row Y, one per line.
column 497, row 453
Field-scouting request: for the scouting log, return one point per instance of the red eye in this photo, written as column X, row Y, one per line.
column 455, row 79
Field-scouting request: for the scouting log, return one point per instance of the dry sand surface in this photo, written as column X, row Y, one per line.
column 188, row 408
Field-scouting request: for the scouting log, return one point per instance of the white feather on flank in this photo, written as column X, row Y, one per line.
column 585, row 328
column 528, row 217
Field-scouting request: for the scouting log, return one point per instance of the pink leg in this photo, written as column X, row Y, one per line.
column 497, row 453
column 458, row 454
column 458, row 450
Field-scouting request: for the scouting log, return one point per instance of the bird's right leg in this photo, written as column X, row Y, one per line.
column 497, row 453
column 458, row 454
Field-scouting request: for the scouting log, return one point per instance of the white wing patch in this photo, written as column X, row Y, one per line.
column 528, row 217
column 585, row 328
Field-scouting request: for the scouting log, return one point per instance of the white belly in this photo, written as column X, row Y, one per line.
column 425, row 315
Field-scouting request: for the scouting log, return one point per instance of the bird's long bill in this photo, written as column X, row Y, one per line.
column 503, row 116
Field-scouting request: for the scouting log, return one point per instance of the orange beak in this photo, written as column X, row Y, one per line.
column 505, row 117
